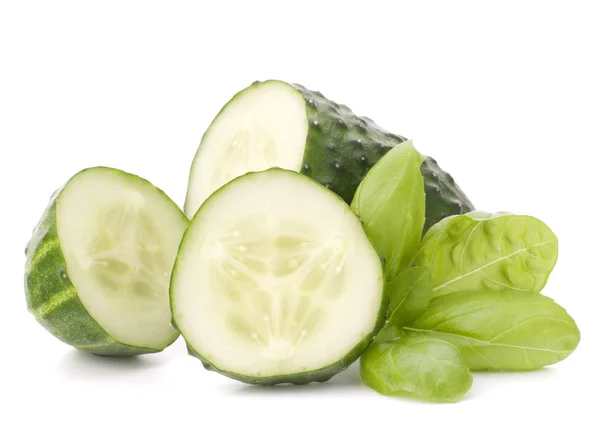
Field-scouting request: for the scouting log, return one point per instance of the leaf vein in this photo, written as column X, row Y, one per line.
column 471, row 339
column 461, row 276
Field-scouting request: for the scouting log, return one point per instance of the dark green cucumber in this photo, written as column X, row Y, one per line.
column 330, row 144
column 341, row 147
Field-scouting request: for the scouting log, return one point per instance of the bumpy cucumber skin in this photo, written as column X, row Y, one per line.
column 301, row 378
column 47, row 280
column 341, row 147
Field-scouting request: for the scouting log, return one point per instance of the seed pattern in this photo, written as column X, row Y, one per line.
column 277, row 279
column 252, row 148
column 125, row 257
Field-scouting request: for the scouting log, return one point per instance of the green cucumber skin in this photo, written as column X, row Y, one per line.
column 46, row 278
column 341, row 147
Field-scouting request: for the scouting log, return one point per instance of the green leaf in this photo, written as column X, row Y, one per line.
column 391, row 202
column 482, row 251
column 424, row 366
column 504, row 330
column 409, row 294
column 388, row 333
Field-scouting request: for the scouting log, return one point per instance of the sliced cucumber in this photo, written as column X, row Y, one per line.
column 100, row 261
column 276, row 281
column 276, row 124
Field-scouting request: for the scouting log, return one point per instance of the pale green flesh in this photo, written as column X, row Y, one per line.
column 119, row 241
column 125, row 257
column 263, row 285
column 265, row 126
column 286, row 274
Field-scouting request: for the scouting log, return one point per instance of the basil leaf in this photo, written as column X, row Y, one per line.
column 409, row 294
column 391, row 202
column 424, row 366
column 388, row 333
column 504, row 330
column 482, row 251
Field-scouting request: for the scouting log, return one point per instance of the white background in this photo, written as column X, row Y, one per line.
column 506, row 95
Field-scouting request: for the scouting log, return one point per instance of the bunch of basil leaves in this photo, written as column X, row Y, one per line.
column 464, row 297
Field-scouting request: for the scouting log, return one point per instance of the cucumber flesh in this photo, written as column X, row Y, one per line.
column 264, row 127
column 276, row 281
column 114, row 241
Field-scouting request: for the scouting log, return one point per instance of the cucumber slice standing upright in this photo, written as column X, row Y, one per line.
column 277, row 124
column 99, row 264
column 277, row 282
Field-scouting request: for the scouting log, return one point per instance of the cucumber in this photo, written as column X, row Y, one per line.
column 276, row 124
column 99, row 264
column 276, row 281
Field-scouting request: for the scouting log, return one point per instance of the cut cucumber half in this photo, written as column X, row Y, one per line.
column 276, row 124
column 99, row 264
column 277, row 282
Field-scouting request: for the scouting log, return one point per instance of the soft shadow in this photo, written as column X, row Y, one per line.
column 535, row 374
column 346, row 380
column 405, row 395
column 487, row 382
column 482, row 381
column 349, row 380
column 81, row 365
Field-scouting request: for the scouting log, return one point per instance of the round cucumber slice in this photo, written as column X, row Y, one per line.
column 99, row 264
column 277, row 124
column 277, row 282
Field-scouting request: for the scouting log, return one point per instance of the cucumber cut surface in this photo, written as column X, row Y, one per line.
column 276, row 281
column 277, row 124
column 265, row 126
column 100, row 262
